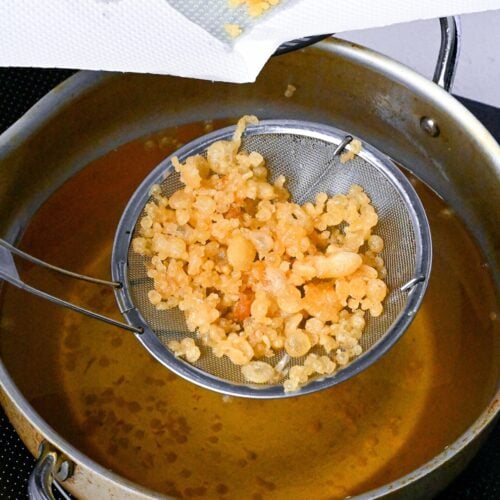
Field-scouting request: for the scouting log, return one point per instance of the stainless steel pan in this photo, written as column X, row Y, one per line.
column 415, row 121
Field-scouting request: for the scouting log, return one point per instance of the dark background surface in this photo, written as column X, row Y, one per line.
column 19, row 90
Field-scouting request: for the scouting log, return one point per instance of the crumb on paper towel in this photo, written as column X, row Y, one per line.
column 255, row 8
column 290, row 90
column 233, row 30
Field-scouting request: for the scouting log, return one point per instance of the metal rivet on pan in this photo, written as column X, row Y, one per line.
column 429, row 126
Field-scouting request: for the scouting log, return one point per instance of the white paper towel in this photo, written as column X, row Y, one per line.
column 154, row 37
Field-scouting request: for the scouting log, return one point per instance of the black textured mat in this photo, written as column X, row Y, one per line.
column 19, row 90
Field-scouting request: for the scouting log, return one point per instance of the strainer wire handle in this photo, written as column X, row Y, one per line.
column 9, row 273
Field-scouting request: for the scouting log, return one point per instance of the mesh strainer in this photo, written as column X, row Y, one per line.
column 307, row 154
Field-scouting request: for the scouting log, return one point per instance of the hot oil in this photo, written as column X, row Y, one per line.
column 104, row 393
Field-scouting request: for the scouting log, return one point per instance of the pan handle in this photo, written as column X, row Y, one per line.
column 49, row 467
column 9, row 273
column 447, row 61
column 446, row 65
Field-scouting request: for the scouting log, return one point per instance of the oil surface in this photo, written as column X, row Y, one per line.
column 102, row 391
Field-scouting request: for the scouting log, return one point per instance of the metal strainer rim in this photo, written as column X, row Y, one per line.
column 158, row 350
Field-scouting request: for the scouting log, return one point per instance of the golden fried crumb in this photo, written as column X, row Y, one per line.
column 352, row 150
column 255, row 7
column 256, row 274
column 186, row 348
column 290, row 90
column 446, row 213
column 150, row 145
column 233, row 30
column 208, row 125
